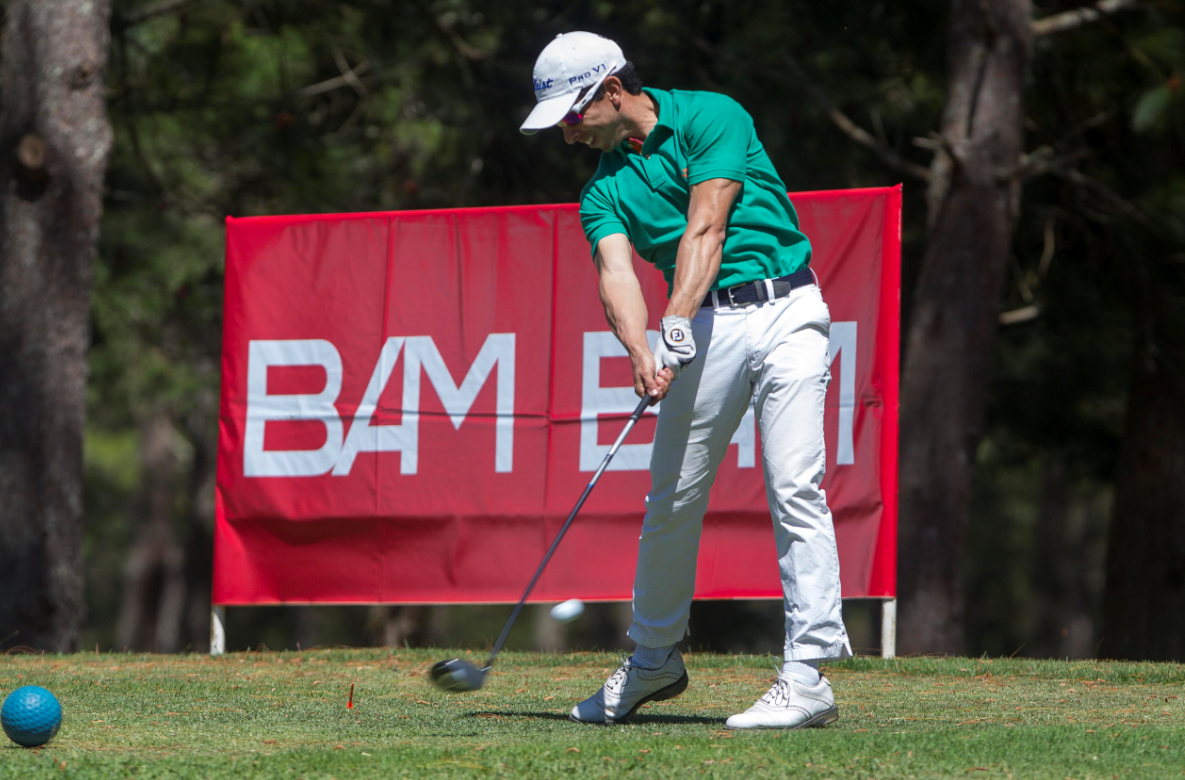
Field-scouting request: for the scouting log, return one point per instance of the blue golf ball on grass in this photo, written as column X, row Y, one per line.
column 31, row 716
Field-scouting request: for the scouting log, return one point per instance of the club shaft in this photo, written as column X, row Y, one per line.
column 634, row 417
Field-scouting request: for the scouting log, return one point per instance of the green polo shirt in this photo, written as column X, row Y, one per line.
column 699, row 136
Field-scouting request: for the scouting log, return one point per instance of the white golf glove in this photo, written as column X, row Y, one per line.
column 676, row 345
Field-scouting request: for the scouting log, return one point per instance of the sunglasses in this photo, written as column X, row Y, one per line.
column 575, row 117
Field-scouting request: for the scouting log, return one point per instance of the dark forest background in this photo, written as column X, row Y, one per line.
column 1043, row 428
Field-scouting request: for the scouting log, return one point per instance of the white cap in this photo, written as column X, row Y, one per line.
column 570, row 63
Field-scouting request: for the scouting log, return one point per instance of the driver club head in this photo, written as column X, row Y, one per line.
column 457, row 676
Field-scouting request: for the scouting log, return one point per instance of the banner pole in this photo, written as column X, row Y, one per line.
column 217, row 630
column 889, row 628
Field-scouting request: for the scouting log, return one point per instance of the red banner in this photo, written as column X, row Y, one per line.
column 413, row 401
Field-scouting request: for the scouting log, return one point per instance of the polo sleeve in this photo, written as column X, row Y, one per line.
column 598, row 216
column 716, row 137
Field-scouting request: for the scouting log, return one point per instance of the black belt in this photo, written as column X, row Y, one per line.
column 758, row 292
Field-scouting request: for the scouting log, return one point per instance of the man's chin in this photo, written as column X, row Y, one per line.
column 611, row 146
column 595, row 142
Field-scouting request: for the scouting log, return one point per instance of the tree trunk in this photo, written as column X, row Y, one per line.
column 1145, row 595
column 952, row 334
column 152, row 614
column 1054, row 565
column 54, row 144
column 199, row 546
column 404, row 626
column 548, row 632
column 1063, row 575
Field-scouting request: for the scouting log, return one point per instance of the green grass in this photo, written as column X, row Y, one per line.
column 284, row 715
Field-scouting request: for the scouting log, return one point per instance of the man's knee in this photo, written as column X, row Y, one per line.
column 674, row 507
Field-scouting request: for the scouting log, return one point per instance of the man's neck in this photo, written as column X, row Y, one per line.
column 641, row 115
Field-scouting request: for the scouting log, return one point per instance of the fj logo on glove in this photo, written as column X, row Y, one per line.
column 676, row 345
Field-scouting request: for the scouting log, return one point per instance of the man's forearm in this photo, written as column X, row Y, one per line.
column 625, row 310
column 701, row 249
column 696, row 267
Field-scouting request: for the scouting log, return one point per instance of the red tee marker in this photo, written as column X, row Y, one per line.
column 350, row 703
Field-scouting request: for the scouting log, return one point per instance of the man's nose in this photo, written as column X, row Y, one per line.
column 571, row 134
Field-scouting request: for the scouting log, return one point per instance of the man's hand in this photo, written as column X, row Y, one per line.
column 647, row 381
column 676, row 345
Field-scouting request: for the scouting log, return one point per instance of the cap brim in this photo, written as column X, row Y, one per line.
column 548, row 113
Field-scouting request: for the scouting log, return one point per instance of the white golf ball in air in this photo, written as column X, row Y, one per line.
column 567, row 611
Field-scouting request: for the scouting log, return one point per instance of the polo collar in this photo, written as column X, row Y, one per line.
column 665, row 125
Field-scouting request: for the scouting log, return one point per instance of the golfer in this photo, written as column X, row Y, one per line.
column 683, row 178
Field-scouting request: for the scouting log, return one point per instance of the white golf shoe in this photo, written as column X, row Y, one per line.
column 789, row 705
column 629, row 688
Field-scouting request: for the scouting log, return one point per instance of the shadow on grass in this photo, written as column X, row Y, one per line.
column 504, row 714
column 637, row 719
column 697, row 720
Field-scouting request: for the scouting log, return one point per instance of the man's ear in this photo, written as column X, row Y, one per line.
column 614, row 91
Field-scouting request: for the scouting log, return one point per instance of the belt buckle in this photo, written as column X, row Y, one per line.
column 733, row 304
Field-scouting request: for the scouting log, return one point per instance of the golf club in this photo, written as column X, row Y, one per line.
column 456, row 675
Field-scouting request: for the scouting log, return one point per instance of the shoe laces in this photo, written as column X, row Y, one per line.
column 779, row 694
column 618, row 679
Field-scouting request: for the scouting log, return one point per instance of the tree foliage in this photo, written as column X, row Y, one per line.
column 295, row 106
